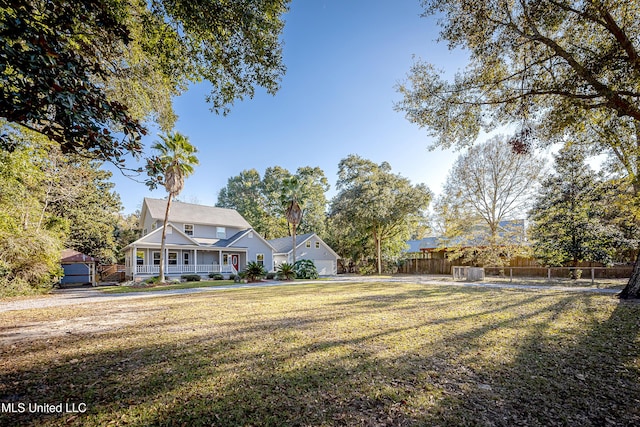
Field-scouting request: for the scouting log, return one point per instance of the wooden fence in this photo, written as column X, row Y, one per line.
column 519, row 267
column 111, row 273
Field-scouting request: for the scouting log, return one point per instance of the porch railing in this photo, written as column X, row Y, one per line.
column 186, row 269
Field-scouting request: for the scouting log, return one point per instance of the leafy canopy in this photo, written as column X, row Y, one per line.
column 87, row 73
column 545, row 65
column 374, row 210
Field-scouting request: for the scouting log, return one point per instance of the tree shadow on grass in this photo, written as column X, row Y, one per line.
column 415, row 357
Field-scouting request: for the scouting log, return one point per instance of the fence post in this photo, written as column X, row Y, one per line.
column 549, row 273
column 592, row 275
column 511, row 274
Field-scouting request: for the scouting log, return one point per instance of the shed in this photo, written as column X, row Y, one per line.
column 78, row 268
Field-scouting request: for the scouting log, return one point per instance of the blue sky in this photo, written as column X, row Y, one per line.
column 343, row 59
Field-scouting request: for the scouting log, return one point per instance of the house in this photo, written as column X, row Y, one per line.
column 205, row 239
column 513, row 231
column 308, row 246
column 199, row 240
column 78, row 268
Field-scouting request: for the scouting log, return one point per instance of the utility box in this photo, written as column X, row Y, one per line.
column 471, row 274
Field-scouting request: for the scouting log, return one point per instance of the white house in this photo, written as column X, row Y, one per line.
column 205, row 239
column 308, row 246
column 199, row 240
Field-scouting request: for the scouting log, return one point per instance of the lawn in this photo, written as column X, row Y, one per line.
column 171, row 286
column 328, row 354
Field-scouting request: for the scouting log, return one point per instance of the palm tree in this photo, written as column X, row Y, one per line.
column 291, row 197
column 176, row 161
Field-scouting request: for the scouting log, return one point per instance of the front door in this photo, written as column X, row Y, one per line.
column 235, row 261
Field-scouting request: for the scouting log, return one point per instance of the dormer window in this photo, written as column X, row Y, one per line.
column 221, row 233
column 188, row 229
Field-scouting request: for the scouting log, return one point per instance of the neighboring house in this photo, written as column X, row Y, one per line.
column 437, row 247
column 78, row 268
column 308, row 246
column 199, row 240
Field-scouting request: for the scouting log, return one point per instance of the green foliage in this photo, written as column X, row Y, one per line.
column 51, row 63
column 286, row 271
column 191, row 277
column 86, row 73
column 216, row 276
column 259, row 200
column 30, row 236
column 569, row 217
column 244, row 194
column 305, row 269
column 176, row 160
column 510, row 47
column 375, row 211
column 254, row 272
column 127, row 231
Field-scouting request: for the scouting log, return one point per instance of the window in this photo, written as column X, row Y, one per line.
column 185, row 258
column 260, row 259
column 173, row 258
column 221, row 233
column 308, row 243
column 139, row 257
column 156, row 258
column 317, row 245
column 225, row 259
column 188, row 229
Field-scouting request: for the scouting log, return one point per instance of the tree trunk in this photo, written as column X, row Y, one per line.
column 162, row 242
column 293, row 236
column 632, row 290
column 378, row 252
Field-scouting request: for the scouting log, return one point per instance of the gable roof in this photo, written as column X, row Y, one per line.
column 69, row 256
column 150, row 236
column 284, row 245
column 190, row 213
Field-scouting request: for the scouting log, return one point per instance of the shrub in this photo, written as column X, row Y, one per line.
column 254, row 271
column 152, row 280
column 216, row 276
column 190, row 277
column 286, row 271
column 271, row 275
column 232, row 277
column 305, row 269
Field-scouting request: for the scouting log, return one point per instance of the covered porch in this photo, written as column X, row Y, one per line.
column 144, row 262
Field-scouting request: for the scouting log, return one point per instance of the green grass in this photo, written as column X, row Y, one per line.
column 330, row 354
column 153, row 288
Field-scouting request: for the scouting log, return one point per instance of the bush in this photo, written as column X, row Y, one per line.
column 152, row 280
column 216, row 276
column 271, row 276
column 232, row 277
column 305, row 269
column 286, row 271
column 254, row 272
column 190, row 277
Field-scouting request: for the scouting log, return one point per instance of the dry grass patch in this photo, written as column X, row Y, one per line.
column 329, row 354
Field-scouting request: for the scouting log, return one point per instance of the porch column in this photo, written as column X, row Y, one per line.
column 195, row 260
column 220, row 260
column 134, row 263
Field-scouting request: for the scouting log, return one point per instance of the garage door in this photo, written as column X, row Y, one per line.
column 76, row 273
column 326, row 268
